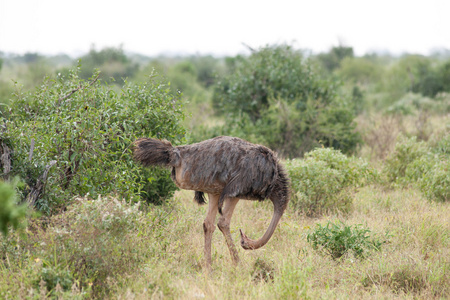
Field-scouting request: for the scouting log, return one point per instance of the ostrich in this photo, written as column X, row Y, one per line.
column 227, row 169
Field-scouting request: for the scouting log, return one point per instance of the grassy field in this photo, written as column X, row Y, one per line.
column 392, row 187
column 159, row 253
column 414, row 263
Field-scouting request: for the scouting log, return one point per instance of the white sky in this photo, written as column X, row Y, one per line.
column 220, row 27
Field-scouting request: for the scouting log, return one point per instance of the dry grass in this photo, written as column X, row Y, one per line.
column 380, row 132
column 165, row 260
column 415, row 262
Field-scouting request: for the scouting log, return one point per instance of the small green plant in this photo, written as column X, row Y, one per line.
column 262, row 271
column 53, row 276
column 337, row 239
column 11, row 214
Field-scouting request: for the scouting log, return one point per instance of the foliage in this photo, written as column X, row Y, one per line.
column 86, row 130
column 419, row 164
column 111, row 61
column 359, row 70
column 279, row 94
column 85, row 244
column 324, row 180
column 332, row 60
column 435, row 182
column 10, row 212
column 356, row 171
column 411, row 103
column 406, row 151
column 337, row 239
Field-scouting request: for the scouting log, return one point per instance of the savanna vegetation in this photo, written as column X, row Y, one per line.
column 365, row 140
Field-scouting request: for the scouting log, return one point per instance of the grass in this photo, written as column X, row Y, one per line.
column 166, row 256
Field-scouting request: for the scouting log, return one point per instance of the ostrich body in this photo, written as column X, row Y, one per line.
column 227, row 169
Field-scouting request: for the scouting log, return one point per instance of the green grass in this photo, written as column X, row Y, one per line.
column 158, row 253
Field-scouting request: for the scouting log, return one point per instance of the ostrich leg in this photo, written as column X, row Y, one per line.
column 224, row 226
column 209, row 227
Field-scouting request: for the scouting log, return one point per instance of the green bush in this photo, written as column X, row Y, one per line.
column 411, row 104
column 316, row 188
column 356, row 171
column 324, row 181
column 406, row 151
column 338, row 239
column 418, row 164
column 10, row 212
column 435, row 184
column 285, row 102
column 75, row 136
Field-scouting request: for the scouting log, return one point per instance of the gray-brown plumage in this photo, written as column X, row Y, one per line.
column 227, row 169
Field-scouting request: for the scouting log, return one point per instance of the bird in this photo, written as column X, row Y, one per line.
column 227, row 169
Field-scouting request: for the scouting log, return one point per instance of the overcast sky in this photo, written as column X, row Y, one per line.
column 221, row 27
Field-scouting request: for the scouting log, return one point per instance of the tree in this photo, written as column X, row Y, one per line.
column 111, row 61
column 277, row 96
column 332, row 60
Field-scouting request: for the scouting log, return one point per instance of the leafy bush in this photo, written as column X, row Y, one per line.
column 355, row 171
column 406, row 151
column 316, row 188
column 418, row 164
column 411, row 103
column 72, row 137
column 435, row 184
column 284, row 101
column 10, row 212
column 325, row 179
column 337, row 239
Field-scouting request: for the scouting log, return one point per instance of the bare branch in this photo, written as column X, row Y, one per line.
column 38, row 188
column 30, row 155
column 5, row 160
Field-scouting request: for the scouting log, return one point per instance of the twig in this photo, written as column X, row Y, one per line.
column 38, row 188
column 5, row 160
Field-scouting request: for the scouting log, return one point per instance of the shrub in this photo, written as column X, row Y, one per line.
column 10, row 212
column 356, row 171
column 72, row 137
column 406, row 151
column 316, row 188
column 88, row 242
column 418, row 164
column 324, row 180
column 286, row 102
column 435, row 184
column 337, row 239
